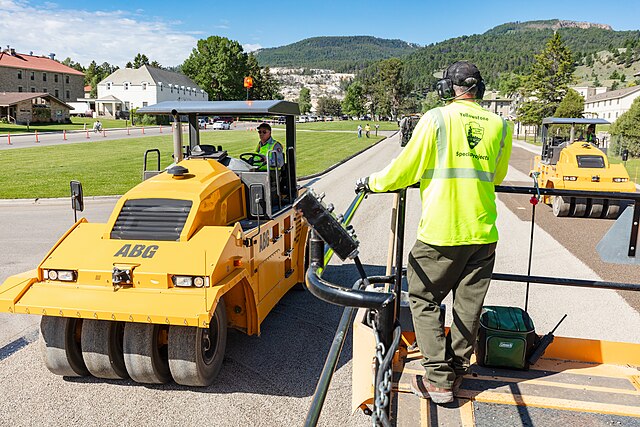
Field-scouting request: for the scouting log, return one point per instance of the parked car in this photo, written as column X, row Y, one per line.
column 220, row 125
column 201, row 122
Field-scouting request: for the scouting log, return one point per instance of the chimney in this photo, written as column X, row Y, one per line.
column 52, row 56
column 30, row 53
column 13, row 52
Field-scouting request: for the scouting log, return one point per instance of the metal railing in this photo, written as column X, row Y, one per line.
column 386, row 304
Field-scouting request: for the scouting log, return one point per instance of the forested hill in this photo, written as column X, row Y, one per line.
column 341, row 54
column 511, row 48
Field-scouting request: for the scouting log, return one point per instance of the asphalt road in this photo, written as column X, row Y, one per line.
column 269, row 380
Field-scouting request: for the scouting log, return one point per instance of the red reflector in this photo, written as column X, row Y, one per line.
column 237, row 263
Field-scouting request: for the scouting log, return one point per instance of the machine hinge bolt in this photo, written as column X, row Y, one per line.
column 237, row 309
column 149, row 319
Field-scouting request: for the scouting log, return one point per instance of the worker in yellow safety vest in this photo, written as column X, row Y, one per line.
column 458, row 153
column 267, row 144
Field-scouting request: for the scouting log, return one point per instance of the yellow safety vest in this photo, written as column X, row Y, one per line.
column 271, row 145
column 458, row 153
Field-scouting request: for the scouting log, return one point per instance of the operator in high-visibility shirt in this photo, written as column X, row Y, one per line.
column 458, row 153
column 267, row 144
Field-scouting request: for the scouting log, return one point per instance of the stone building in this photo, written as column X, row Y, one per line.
column 27, row 107
column 39, row 74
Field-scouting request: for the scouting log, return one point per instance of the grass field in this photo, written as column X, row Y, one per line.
column 113, row 167
column 77, row 123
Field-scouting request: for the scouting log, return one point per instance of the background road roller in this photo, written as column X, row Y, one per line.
column 208, row 243
column 568, row 163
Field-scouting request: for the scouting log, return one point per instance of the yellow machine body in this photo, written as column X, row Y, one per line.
column 609, row 177
column 252, row 268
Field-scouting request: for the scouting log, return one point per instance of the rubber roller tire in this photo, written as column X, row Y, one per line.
column 145, row 355
column 560, row 206
column 196, row 354
column 102, row 351
column 60, row 346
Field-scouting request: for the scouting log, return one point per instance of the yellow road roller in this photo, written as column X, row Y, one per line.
column 578, row 163
column 209, row 243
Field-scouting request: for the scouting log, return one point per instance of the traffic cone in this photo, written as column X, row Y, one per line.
column 64, row 135
column 37, row 137
column 9, row 138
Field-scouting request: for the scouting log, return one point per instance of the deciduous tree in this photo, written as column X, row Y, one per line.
column 572, row 105
column 353, row 103
column 304, row 100
column 329, row 106
column 218, row 65
column 625, row 131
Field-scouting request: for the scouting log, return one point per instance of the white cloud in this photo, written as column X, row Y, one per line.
column 251, row 47
column 111, row 36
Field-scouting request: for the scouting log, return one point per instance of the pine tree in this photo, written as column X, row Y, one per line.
column 551, row 74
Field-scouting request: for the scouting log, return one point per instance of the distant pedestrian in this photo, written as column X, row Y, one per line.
column 367, row 129
column 359, row 131
column 377, row 126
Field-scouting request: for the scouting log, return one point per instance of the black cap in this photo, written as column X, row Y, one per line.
column 264, row 126
column 463, row 73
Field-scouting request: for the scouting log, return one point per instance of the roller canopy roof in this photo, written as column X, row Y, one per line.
column 571, row 121
column 202, row 108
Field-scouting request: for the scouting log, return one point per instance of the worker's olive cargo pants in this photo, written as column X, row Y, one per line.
column 433, row 272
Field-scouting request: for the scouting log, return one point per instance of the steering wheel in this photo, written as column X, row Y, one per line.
column 254, row 159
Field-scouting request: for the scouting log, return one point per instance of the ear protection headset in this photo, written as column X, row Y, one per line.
column 444, row 87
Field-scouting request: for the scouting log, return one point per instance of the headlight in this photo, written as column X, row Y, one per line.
column 189, row 281
column 61, row 275
column 570, row 178
column 620, row 179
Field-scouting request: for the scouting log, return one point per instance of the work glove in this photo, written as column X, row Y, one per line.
column 362, row 184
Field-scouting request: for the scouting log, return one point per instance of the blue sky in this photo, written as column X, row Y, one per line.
column 166, row 31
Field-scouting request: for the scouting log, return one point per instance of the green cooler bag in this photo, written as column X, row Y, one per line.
column 505, row 338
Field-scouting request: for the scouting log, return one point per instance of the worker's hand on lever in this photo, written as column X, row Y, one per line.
column 362, row 184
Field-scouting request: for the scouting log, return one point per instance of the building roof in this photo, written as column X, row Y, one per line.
column 275, row 107
column 87, row 88
column 12, row 98
column 109, row 98
column 613, row 94
column 40, row 63
column 149, row 74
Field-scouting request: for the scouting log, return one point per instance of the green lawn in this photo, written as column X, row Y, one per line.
column 77, row 123
column 113, row 167
column 350, row 125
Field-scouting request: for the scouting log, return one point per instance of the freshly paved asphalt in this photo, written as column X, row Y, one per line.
column 269, row 380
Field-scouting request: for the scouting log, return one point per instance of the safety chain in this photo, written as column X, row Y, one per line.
column 383, row 375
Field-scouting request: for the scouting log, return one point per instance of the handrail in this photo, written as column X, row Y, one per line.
column 341, row 295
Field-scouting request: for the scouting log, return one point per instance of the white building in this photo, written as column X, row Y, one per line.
column 611, row 105
column 130, row 88
column 589, row 91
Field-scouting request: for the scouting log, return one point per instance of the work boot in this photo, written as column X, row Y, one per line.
column 456, row 384
column 424, row 389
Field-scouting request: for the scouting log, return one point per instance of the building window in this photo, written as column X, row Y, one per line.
column 55, row 78
column 33, row 75
column 67, row 93
column 160, row 84
column 33, row 89
column 144, row 86
column 144, row 104
column 108, row 85
column 66, row 79
column 616, row 114
column 19, row 88
column 126, row 86
column 20, row 74
column 617, row 101
column 44, row 90
column 57, row 93
column 44, row 77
